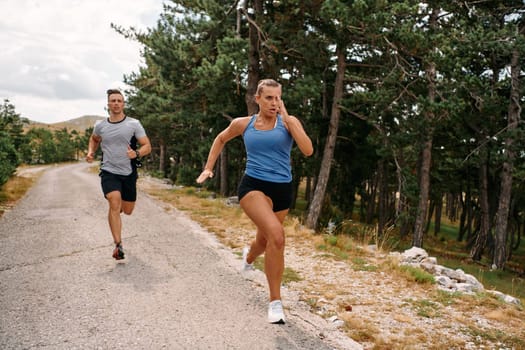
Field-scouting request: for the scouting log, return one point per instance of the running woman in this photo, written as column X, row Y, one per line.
column 265, row 191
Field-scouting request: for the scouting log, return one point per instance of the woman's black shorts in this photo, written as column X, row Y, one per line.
column 125, row 184
column 279, row 193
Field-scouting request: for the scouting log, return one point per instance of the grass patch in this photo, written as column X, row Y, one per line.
column 416, row 274
column 341, row 247
column 447, row 298
column 289, row 274
column 495, row 336
column 360, row 264
column 426, row 308
column 14, row 189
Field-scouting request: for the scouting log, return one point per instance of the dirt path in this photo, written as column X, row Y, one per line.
column 176, row 289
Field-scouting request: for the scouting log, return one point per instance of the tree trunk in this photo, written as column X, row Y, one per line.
column 328, row 154
column 463, row 218
column 253, row 80
column 424, row 189
column 382, row 199
column 430, row 212
column 438, row 215
column 371, row 198
column 481, row 239
column 253, row 59
column 502, row 215
column 426, row 152
column 162, row 157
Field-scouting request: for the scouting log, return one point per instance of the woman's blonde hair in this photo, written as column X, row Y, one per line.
column 265, row 82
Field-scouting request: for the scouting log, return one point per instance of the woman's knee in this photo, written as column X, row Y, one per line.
column 275, row 237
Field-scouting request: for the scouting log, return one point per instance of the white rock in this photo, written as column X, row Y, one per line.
column 414, row 254
column 444, row 281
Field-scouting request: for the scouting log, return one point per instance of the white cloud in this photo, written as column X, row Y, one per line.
column 58, row 57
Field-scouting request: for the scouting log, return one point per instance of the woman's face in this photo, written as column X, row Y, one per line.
column 269, row 100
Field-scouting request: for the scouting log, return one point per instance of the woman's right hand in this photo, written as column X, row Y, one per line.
column 204, row 176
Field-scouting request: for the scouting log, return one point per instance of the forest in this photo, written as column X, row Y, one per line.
column 21, row 143
column 414, row 108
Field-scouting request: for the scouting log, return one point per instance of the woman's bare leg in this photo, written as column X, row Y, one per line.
column 269, row 238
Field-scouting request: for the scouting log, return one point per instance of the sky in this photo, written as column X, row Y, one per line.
column 58, row 57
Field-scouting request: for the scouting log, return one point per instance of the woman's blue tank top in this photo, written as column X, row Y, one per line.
column 268, row 152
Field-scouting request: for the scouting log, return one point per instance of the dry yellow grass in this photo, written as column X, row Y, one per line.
column 395, row 312
column 16, row 187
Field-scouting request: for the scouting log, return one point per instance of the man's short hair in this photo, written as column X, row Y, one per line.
column 114, row 91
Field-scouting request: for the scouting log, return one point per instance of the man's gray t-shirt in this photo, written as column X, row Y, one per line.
column 116, row 137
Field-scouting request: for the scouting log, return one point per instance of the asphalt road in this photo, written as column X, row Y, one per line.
column 177, row 288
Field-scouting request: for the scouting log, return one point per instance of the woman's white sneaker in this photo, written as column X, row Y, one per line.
column 276, row 312
column 245, row 265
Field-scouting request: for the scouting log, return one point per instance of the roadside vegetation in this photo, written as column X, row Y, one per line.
column 233, row 229
column 25, row 143
column 219, row 218
column 14, row 189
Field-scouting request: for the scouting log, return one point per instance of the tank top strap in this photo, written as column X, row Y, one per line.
column 279, row 121
column 252, row 120
column 250, row 123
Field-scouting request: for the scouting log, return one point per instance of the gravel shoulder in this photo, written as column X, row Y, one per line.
column 358, row 298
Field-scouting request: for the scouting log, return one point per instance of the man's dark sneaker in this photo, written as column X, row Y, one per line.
column 118, row 252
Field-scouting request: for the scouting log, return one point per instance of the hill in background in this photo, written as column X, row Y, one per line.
column 79, row 124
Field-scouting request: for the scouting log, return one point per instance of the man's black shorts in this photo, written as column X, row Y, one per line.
column 125, row 184
column 279, row 193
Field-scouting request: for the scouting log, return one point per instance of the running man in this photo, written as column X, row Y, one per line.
column 119, row 136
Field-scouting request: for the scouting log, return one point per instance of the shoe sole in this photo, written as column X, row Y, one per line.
column 118, row 255
column 281, row 321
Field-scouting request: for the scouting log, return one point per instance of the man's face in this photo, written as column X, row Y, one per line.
column 115, row 103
